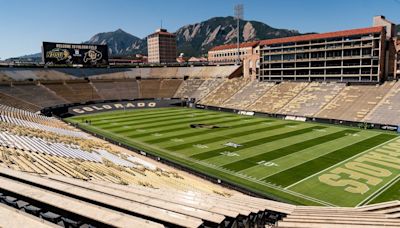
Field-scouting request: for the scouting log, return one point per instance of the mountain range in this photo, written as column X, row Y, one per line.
column 193, row 39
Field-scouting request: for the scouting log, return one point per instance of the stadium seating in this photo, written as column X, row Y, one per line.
column 36, row 94
column 4, row 77
column 277, row 97
column 336, row 217
column 388, row 110
column 163, row 72
column 18, row 103
column 309, row 101
column 19, row 219
column 248, row 95
column 149, row 88
column 224, row 92
column 116, row 89
column 32, row 117
column 62, row 90
column 83, row 91
column 157, row 72
column 74, row 91
column 188, row 87
column 46, row 75
column 208, row 86
column 20, row 74
column 24, row 74
column 355, row 102
column 168, row 87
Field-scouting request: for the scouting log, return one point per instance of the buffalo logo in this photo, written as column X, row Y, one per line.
column 93, row 56
column 59, row 54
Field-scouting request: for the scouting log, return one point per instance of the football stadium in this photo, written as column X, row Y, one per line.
column 299, row 131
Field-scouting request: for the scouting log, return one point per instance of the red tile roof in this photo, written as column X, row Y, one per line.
column 231, row 46
column 323, row 35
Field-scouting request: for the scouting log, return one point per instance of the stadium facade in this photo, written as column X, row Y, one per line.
column 357, row 55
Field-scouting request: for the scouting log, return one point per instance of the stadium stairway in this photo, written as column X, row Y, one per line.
column 224, row 91
column 312, row 98
column 387, row 111
column 247, row 95
column 277, row 97
column 188, row 87
column 354, row 102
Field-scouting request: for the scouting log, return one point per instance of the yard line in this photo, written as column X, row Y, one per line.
column 227, row 171
column 341, row 162
column 299, row 195
column 249, row 162
column 380, row 191
column 300, row 163
column 215, row 131
column 254, row 143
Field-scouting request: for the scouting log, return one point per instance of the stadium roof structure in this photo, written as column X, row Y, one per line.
column 231, row 46
column 351, row 32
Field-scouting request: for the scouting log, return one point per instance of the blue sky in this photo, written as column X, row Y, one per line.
column 24, row 24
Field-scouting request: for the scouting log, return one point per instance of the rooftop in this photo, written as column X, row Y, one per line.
column 231, row 46
column 323, row 35
column 162, row 32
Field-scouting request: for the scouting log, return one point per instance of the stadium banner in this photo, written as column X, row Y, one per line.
column 122, row 105
column 296, row 118
column 246, row 113
column 389, row 127
column 74, row 54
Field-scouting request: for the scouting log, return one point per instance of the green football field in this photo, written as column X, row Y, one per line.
column 296, row 162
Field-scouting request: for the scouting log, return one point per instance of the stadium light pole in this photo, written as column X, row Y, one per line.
column 238, row 15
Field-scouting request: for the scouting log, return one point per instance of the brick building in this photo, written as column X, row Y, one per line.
column 228, row 54
column 161, row 47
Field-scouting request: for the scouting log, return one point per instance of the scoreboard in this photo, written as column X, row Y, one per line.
column 74, row 54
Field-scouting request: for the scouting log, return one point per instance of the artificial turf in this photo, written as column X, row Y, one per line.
column 272, row 157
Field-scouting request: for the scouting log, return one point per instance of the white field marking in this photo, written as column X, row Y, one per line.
column 229, row 154
column 266, row 123
column 244, row 170
column 319, row 130
column 337, row 164
column 222, row 134
column 177, row 140
column 379, row 191
column 291, row 126
column 244, row 148
column 267, row 163
column 157, row 134
column 293, row 164
column 254, row 180
column 354, row 135
column 201, row 146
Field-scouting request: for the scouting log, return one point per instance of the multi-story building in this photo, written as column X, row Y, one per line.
column 397, row 59
column 351, row 55
column 161, row 47
column 228, row 54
